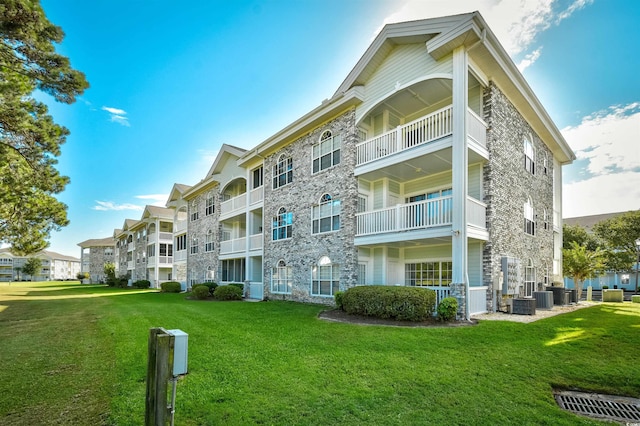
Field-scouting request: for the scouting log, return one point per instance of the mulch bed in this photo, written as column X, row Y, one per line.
column 341, row 316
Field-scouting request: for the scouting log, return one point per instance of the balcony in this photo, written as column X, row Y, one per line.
column 233, row 206
column 233, row 246
column 131, row 247
column 423, row 132
column 255, row 242
column 180, row 256
column 256, row 195
column 164, row 236
column 159, row 261
column 423, row 215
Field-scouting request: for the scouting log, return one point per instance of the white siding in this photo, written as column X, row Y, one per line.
column 404, row 64
column 474, row 263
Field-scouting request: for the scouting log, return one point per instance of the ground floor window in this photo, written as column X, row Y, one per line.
column 281, row 278
column 362, row 273
column 233, row 270
column 325, row 278
column 529, row 279
column 428, row 273
column 210, row 274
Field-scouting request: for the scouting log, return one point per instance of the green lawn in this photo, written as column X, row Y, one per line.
column 76, row 355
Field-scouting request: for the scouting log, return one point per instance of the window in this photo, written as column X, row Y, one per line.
column 181, row 242
column 529, row 155
column 545, row 165
column 362, row 273
column 326, row 153
column 256, row 181
column 194, row 215
column 545, row 219
column 362, row 203
column 529, row 224
column 166, row 249
column 428, row 274
column 282, row 225
column 209, row 208
column 281, row 278
column 194, row 245
column 282, row 172
column 326, row 215
column 529, row 279
column 151, row 250
column 210, row 275
column 325, row 278
column 208, row 242
column 233, row 270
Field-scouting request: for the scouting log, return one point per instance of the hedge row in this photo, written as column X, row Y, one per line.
column 400, row 303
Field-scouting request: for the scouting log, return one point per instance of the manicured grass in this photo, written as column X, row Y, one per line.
column 77, row 355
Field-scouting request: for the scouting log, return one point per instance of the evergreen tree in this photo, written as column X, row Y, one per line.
column 29, row 139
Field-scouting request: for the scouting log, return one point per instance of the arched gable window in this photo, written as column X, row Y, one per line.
column 326, row 215
column 282, row 171
column 326, row 153
column 282, row 225
column 325, row 277
column 208, row 242
column 281, row 278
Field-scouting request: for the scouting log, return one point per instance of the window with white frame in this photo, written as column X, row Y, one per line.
column 209, row 208
column 325, row 278
column 437, row 273
column 529, row 279
column 256, row 180
column 151, row 250
column 326, row 215
column 208, row 242
column 282, row 225
column 362, row 273
column 326, row 153
column 545, row 165
column 362, row 203
column 545, row 219
column 529, row 222
column 181, row 242
column 283, row 172
column 281, row 278
column 210, row 274
column 194, row 245
column 194, row 212
column 529, row 155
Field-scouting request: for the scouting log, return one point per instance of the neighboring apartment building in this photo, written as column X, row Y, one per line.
column 55, row 266
column 94, row 254
column 432, row 165
column 144, row 248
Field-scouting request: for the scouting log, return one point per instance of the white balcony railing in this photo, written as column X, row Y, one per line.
column 234, row 204
column 131, row 246
column 404, row 217
column 255, row 242
column 476, row 213
column 233, row 246
column 256, row 195
column 423, row 130
column 180, row 256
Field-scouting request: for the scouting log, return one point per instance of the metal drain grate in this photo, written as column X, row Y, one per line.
column 609, row 407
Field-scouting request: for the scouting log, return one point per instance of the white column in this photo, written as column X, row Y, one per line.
column 460, row 170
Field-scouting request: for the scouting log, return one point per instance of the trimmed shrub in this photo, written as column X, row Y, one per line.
column 171, row 287
column 123, row 282
column 448, row 308
column 338, row 299
column 238, row 285
column 400, row 303
column 211, row 286
column 200, row 291
column 228, row 292
column 142, row 284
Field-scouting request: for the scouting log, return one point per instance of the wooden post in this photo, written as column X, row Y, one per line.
column 159, row 371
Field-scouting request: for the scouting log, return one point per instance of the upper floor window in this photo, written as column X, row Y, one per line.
column 326, row 153
column 325, row 278
column 181, row 242
column 545, row 165
column 529, row 222
column 283, row 172
column 529, row 155
column 281, row 278
column 209, row 206
column 545, row 218
column 256, row 178
column 208, row 242
column 282, row 225
column 194, row 211
column 326, row 215
column 194, row 245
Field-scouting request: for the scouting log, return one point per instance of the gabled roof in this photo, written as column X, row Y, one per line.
column 128, row 224
column 587, row 222
column 44, row 253
column 226, row 152
column 177, row 192
column 156, row 211
column 98, row 242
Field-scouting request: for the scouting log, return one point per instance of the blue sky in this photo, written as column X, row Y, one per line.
column 172, row 81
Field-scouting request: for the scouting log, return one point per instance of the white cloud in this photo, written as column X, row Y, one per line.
column 117, row 115
column 515, row 23
column 159, row 200
column 529, row 59
column 111, row 206
column 608, row 139
column 607, row 142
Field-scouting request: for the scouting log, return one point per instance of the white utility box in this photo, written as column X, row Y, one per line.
column 180, row 350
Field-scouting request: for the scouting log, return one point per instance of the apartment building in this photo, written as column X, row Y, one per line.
column 94, row 254
column 55, row 266
column 432, row 165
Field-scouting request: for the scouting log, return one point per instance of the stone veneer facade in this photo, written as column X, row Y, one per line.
column 200, row 262
column 506, row 187
column 98, row 257
column 303, row 250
